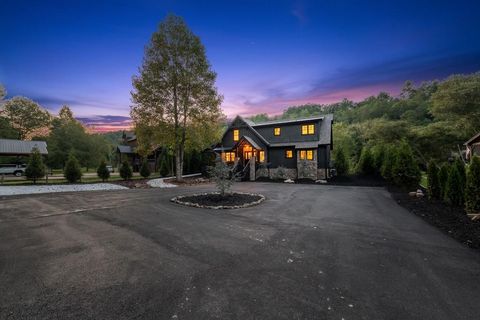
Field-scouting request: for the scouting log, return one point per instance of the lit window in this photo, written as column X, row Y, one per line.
column 276, row 131
column 289, row 154
column 236, row 134
column 261, row 156
column 306, row 154
column 228, row 156
column 308, row 129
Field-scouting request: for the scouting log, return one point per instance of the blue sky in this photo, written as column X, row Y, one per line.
column 268, row 54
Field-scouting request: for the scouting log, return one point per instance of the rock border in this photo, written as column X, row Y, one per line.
column 178, row 200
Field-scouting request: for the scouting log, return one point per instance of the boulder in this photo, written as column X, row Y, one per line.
column 289, row 181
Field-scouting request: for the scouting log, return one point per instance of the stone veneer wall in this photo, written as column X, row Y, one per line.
column 288, row 173
column 307, row 169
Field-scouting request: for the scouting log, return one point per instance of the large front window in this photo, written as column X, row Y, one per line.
column 306, row 154
column 236, row 135
column 261, row 156
column 228, row 156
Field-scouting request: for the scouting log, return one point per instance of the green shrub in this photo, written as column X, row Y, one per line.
column 472, row 190
column 102, row 171
column 405, row 170
column 461, row 169
column 379, row 152
column 341, row 162
column 35, row 168
column 125, row 171
column 454, row 191
column 388, row 162
column 434, row 188
column 366, row 163
column 72, row 171
column 145, row 170
column 442, row 179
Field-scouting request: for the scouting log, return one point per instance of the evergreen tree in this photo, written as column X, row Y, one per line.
column 145, row 170
column 125, row 171
column 35, row 168
column 388, row 162
column 341, row 162
column 434, row 188
column 405, row 171
column 472, row 190
column 461, row 169
column 366, row 164
column 102, row 171
column 379, row 152
column 454, row 192
column 72, row 171
column 442, row 179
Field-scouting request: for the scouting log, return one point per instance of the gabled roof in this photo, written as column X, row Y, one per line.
column 249, row 124
column 475, row 137
column 249, row 140
column 20, row 147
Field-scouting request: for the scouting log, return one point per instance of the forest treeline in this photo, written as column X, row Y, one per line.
column 435, row 118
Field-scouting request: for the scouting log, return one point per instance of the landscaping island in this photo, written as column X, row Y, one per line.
column 215, row 200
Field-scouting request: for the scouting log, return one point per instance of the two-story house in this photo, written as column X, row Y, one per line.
column 293, row 149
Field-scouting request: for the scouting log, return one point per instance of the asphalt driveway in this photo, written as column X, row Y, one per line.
column 308, row 252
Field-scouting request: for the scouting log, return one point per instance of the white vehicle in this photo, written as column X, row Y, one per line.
column 16, row 169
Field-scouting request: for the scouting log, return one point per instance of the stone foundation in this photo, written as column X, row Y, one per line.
column 282, row 173
column 321, row 174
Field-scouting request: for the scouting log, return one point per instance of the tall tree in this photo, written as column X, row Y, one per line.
column 175, row 95
column 26, row 116
column 3, row 92
column 66, row 114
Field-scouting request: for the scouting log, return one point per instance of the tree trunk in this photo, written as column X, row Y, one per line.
column 178, row 164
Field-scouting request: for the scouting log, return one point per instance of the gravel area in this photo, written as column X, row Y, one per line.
column 160, row 182
column 17, row 190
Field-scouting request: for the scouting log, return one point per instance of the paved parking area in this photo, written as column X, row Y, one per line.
column 308, row 252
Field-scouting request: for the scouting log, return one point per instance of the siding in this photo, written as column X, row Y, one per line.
column 291, row 132
column 276, row 158
column 227, row 140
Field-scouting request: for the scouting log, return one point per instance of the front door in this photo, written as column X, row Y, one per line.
column 247, row 153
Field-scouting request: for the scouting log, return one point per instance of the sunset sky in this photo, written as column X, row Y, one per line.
column 268, row 54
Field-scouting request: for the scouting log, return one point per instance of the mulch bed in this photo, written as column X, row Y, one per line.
column 213, row 200
column 133, row 184
column 451, row 220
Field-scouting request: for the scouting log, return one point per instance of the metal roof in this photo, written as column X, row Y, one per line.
column 125, row 149
column 20, row 147
column 297, row 145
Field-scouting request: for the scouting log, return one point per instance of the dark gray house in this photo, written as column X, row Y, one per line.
column 280, row 149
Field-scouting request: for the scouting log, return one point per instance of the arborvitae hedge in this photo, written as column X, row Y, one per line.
column 442, row 178
column 72, row 171
column 145, row 170
column 366, row 163
column 434, row 189
column 405, row 170
column 388, row 162
column 341, row 162
column 126, row 171
column 35, row 168
column 102, row 171
column 461, row 169
column 454, row 191
column 472, row 190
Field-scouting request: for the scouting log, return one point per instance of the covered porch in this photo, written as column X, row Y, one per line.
column 242, row 152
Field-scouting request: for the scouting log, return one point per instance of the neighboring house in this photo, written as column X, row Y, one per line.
column 128, row 151
column 10, row 147
column 293, row 149
column 473, row 146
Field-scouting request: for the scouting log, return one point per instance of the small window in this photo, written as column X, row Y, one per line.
column 276, row 131
column 236, row 135
column 306, row 154
column 261, row 156
column 308, row 129
column 289, row 154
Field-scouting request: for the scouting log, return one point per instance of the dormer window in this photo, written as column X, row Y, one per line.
column 236, row 135
column 308, row 129
column 276, row 131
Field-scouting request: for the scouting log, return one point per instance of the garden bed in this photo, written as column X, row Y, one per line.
column 214, row 200
column 451, row 220
column 134, row 184
column 188, row 181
